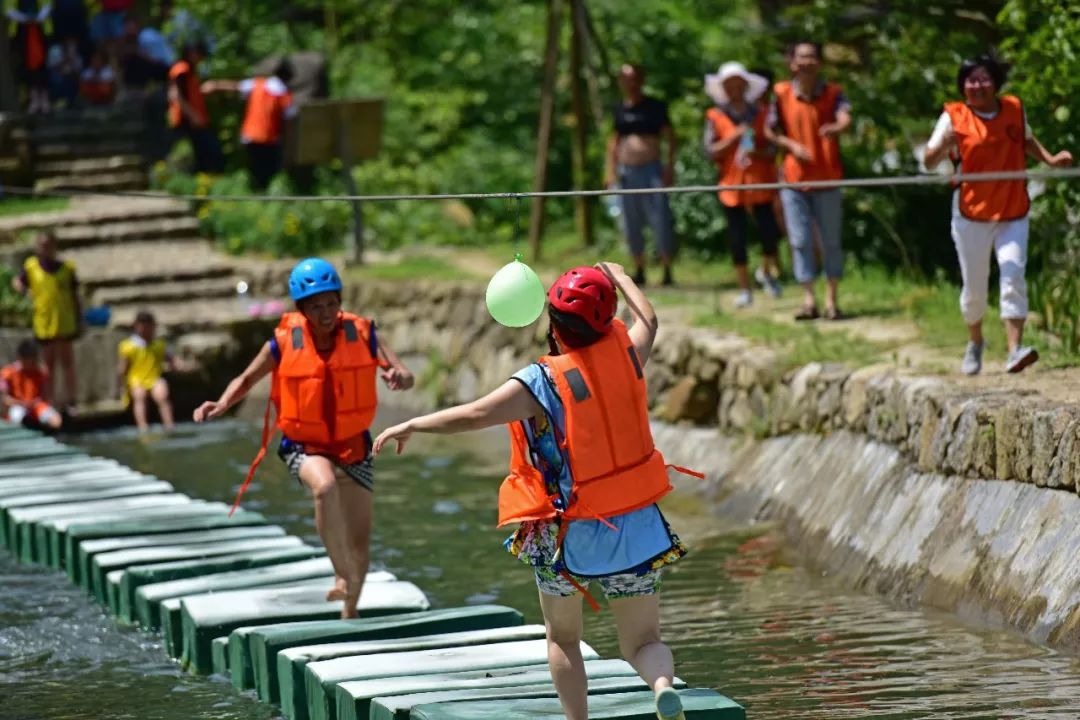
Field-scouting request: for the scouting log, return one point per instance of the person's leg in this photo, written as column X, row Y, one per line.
column 160, row 393
column 661, row 221
column 736, row 225
column 562, row 618
column 765, row 219
column 799, row 221
column 47, row 416
column 634, row 218
column 357, row 504
column 66, row 352
column 138, row 407
column 638, row 622
column 828, row 208
column 1010, row 246
column 318, row 474
column 49, row 356
column 974, row 243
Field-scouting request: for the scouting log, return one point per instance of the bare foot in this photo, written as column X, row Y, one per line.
column 338, row 591
column 352, row 600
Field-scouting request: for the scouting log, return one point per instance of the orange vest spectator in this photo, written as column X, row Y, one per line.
column 191, row 91
column 760, row 169
column 994, row 145
column 267, row 102
column 22, row 383
column 801, row 119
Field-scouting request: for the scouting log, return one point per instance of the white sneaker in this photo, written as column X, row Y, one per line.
column 768, row 282
column 972, row 362
column 744, row 299
column 1020, row 358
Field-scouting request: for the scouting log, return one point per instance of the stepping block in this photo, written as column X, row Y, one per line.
column 100, row 494
column 120, row 559
column 52, row 468
column 354, row 698
column 28, row 528
column 32, row 451
column 697, row 705
column 264, row 643
column 320, row 678
column 82, row 480
column 148, row 611
column 205, row 617
column 78, row 567
column 219, row 649
column 203, row 517
column 292, row 662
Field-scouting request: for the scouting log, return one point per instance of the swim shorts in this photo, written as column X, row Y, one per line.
column 293, row 455
column 40, row 413
column 619, row 585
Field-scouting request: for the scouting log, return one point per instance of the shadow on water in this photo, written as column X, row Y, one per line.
column 783, row 641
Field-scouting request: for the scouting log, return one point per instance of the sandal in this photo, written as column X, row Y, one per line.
column 834, row 313
column 808, row 313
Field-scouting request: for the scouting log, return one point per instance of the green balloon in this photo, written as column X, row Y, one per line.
column 515, row 296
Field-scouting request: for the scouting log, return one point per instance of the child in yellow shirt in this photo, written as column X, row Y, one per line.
column 143, row 360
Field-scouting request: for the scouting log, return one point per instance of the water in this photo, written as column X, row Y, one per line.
column 783, row 641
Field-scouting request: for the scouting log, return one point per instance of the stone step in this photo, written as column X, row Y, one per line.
column 167, row 228
column 86, row 132
column 122, row 163
column 88, row 209
column 147, row 261
column 93, row 182
column 195, row 289
column 194, row 316
column 67, row 149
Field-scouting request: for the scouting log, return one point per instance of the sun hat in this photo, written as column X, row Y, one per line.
column 714, row 84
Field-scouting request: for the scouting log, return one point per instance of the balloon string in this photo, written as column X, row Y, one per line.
column 517, row 227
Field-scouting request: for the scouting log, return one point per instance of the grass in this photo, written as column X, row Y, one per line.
column 22, row 206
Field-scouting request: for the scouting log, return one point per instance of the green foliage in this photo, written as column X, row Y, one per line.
column 15, row 309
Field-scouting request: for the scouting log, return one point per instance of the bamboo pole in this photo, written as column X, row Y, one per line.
column 543, row 133
column 582, row 204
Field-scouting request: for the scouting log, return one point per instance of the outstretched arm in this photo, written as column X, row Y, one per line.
column 396, row 375
column 238, row 388
column 1036, row 150
column 509, row 403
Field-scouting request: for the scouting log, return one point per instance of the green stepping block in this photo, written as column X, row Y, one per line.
column 27, row 526
column 241, row 670
column 79, row 566
column 148, row 611
column 118, row 560
column 291, row 663
column 697, row 705
column 33, row 452
column 11, row 487
column 399, row 707
column 354, row 698
column 320, row 678
column 48, row 499
column 205, row 617
column 50, row 537
column 52, row 467
column 266, row 641
column 219, row 648
column 203, row 517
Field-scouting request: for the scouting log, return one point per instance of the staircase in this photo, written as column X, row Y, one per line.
column 89, row 149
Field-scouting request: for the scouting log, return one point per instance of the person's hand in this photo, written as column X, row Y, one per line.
column 399, row 433
column 209, row 410
column 1062, row 159
column 398, row 378
column 668, row 176
column 800, row 151
column 612, row 270
column 829, row 130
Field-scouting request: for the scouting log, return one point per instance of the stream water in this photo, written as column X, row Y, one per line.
column 784, row 641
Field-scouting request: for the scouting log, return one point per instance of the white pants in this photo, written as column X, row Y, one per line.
column 974, row 241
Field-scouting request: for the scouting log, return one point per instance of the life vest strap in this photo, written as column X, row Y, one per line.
column 686, row 471
column 565, row 574
column 258, row 458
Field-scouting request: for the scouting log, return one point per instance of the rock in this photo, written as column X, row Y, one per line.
column 959, row 458
column 1048, row 428
column 690, row 399
column 1065, row 467
column 854, row 401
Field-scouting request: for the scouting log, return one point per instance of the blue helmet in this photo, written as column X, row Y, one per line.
column 311, row 277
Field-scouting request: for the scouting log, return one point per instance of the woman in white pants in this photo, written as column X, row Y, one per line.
column 989, row 133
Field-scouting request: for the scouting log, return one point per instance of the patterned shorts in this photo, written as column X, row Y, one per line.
column 620, row 585
column 363, row 472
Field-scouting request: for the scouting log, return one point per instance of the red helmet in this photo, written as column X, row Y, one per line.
column 587, row 293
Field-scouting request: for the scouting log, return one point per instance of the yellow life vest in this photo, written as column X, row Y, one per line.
column 146, row 361
column 54, row 299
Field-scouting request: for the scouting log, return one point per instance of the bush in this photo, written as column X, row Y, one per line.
column 15, row 309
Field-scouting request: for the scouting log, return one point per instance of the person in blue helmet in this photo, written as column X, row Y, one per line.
column 324, row 363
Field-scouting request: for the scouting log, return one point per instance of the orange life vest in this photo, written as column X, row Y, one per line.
column 614, row 464
column 327, row 405
column 994, row 145
column 34, row 57
column 22, row 383
column 192, row 94
column 759, row 170
column 802, row 121
column 264, row 115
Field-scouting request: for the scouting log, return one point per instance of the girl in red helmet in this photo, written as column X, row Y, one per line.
column 584, row 477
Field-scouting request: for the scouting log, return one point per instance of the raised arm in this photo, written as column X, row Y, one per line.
column 510, row 402
column 241, row 385
column 1035, row 149
column 643, row 331
column 395, row 375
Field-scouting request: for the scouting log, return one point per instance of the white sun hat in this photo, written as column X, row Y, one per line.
column 714, row 84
